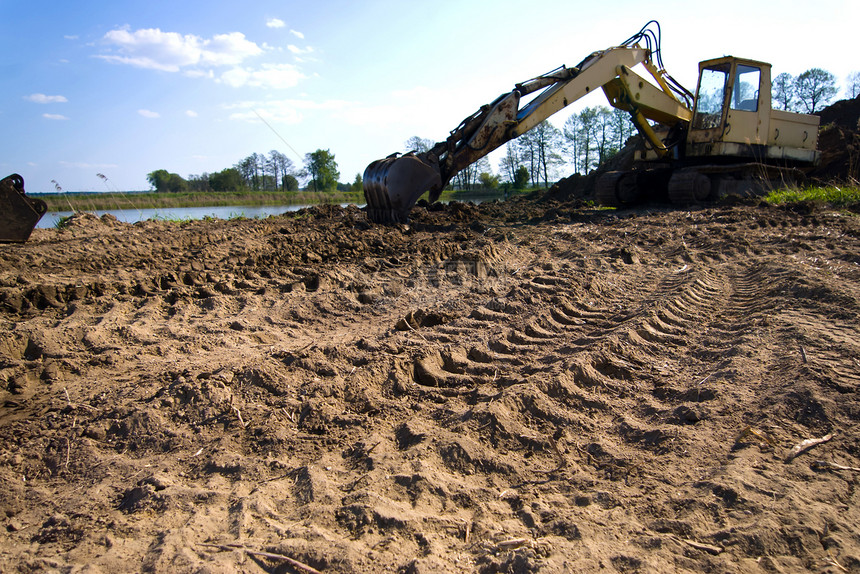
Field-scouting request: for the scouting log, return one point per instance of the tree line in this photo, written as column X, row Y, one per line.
column 810, row 91
column 259, row 172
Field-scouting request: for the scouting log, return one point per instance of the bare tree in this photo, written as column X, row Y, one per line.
column 782, row 92
column 815, row 88
column 853, row 84
column 622, row 126
column 510, row 162
column 571, row 140
column 418, row 144
column 548, row 141
column 282, row 166
column 528, row 151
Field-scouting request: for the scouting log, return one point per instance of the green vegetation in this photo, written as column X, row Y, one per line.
column 167, row 200
column 831, row 195
column 322, row 170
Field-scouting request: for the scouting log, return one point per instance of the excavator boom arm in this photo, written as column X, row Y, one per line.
column 393, row 185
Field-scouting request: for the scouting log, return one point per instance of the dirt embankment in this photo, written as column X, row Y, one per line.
column 517, row 387
column 839, row 142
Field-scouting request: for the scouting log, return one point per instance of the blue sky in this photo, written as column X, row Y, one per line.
column 125, row 88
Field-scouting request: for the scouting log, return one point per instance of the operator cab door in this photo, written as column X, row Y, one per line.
column 730, row 105
column 742, row 120
column 709, row 117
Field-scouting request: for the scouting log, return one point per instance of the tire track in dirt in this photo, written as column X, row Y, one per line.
column 447, row 397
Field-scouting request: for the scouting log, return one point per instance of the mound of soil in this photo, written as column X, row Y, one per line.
column 839, row 142
column 526, row 386
column 844, row 113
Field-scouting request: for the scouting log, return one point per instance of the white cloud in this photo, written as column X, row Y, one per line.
column 54, row 117
column 275, row 23
column 298, row 51
column 199, row 57
column 274, row 76
column 170, row 52
column 43, row 99
column 297, row 34
column 229, row 49
column 149, row 114
column 191, row 113
column 70, row 37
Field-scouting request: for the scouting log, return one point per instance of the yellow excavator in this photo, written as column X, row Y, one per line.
column 727, row 139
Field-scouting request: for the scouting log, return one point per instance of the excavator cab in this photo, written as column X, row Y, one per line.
column 733, row 117
column 731, row 106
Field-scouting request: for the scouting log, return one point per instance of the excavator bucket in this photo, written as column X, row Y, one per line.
column 19, row 214
column 393, row 185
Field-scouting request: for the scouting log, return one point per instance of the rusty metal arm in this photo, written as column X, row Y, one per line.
column 502, row 120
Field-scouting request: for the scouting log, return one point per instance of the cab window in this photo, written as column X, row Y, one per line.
column 745, row 92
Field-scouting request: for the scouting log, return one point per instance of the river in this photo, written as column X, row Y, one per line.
column 51, row 218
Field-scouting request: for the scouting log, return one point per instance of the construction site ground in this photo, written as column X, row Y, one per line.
column 516, row 387
column 528, row 386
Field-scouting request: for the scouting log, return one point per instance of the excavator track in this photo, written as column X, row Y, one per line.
column 617, row 189
column 689, row 186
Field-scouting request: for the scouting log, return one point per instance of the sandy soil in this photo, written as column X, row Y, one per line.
column 528, row 387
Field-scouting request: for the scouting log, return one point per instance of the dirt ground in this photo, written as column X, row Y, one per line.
column 531, row 386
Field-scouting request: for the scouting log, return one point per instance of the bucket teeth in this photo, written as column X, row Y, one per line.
column 393, row 185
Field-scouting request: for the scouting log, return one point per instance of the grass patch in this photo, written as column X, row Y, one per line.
column 63, row 222
column 831, row 195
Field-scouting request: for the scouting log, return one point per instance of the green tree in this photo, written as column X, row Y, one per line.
column 322, row 169
column 488, row 180
column 782, row 92
column 521, row 178
column 814, row 89
column 290, row 183
column 226, row 180
column 159, row 179
column 163, row 181
column 198, row 183
column 252, row 169
column 358, row 184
